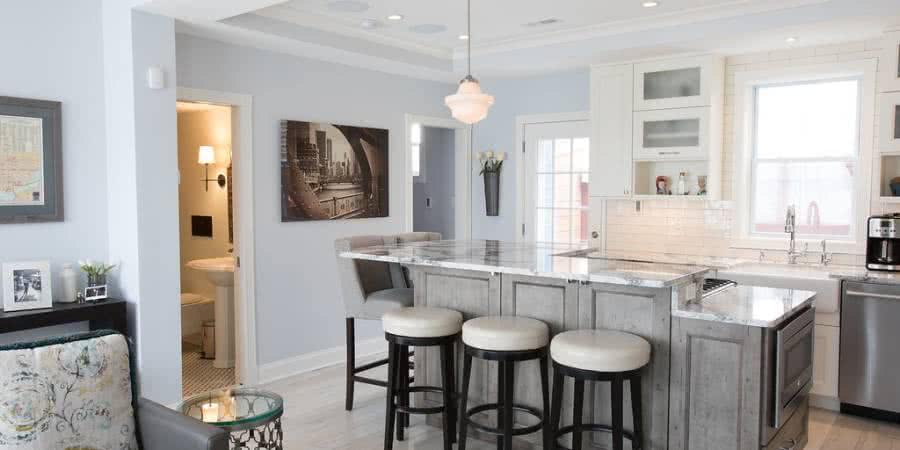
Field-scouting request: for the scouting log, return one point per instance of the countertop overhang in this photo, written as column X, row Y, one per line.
column 754, row 306
column 532, row 259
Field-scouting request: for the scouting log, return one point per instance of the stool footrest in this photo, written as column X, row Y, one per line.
column 591, row 427
column 534, row 412
column 419, row 410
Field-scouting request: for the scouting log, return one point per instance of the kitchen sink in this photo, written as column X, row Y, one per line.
column 790, row 276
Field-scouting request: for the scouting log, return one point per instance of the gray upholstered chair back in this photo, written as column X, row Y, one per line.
column 358, row 278
column 399, row 274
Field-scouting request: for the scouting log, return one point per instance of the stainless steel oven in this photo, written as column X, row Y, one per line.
column 788, row 370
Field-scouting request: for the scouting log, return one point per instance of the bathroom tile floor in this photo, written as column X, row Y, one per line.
column 198, row 374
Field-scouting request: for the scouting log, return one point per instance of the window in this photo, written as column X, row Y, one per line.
column 415, row 140
column 805, row 152
column 561, row 190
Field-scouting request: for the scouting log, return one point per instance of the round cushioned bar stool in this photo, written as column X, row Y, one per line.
column 507, row 340
column 599, row 355
column 419, row 327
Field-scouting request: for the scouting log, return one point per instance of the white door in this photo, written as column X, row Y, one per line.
column 556, row 190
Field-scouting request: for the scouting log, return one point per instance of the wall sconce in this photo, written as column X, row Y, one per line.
column 207, row 156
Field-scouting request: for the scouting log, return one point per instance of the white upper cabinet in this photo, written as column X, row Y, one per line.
column 890, row 71
column 677, row 83
column 611, row 116
column 889, row 124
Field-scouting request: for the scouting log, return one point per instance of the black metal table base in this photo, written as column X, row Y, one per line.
column 267, row 436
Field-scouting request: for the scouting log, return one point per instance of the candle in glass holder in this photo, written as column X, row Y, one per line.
column 209, row 412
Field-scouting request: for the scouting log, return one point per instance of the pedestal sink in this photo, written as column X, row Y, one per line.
column 220, row 272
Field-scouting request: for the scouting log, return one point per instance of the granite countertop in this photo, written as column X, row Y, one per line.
column 532, row 259
column 754, row 306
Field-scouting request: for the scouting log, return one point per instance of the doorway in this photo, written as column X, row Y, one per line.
column 216, row 240
column 438, row 177
column 554, row 205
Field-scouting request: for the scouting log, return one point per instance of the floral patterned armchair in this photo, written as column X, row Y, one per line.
column 77, row 393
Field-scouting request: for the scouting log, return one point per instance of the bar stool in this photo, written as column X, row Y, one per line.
column 507, row 340
column 599, row 355
column 419, row 327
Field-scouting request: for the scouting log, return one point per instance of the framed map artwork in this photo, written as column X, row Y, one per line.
column 30, row 161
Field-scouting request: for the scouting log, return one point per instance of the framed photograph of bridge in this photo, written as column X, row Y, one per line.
column 331, row 171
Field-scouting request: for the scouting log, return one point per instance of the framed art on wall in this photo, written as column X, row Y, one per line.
column 333, row 171
column 27, row 285
column 30, row 161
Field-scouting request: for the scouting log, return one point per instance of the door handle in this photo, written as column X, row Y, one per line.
column 595, row 234
column 873, row 295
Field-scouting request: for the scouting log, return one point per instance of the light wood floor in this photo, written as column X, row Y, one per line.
column 314, row 418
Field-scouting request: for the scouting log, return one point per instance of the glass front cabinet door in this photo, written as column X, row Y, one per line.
column 671, row 134
column 681, row 83
column 890, row 122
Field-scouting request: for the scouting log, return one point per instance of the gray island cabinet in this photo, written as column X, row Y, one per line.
column 546, row 282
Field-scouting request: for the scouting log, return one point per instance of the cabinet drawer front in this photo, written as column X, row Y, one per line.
column 794, row 433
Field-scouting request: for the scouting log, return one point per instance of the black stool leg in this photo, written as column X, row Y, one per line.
column 555, row 409
column 577, row 414
column 637, row 443
column 351, row 363
column 500, row 401
column 545, row 396
column 446, row 354
column 617, row 407
column 403, row 389
column 454, row 411
column 464, row 400
column 390, row 409
column 509, row 386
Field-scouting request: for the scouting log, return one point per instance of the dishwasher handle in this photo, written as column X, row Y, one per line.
column 872, row 295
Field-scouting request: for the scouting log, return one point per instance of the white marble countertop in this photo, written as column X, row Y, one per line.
column 747, row 305
column 531, row 259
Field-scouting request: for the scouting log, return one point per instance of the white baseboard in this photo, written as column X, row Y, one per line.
column 365, row 350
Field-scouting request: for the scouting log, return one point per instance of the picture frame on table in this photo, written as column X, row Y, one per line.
column 27, row 285
column 95, row 293
column 31, row 189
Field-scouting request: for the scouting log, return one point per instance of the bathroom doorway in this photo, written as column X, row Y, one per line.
column 215, row 212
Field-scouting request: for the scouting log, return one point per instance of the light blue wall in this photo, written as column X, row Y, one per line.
column 438, row 149
column 54, row 51
column 299, row 308
column 556, row 93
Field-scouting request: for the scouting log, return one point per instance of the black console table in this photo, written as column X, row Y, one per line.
column 110, row 314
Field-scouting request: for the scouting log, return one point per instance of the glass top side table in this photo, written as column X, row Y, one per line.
column 251, row 416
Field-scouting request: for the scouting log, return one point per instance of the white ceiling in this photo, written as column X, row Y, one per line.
column 587, row 31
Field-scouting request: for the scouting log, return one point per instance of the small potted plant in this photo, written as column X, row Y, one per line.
column 491, row 164
column 96, row 272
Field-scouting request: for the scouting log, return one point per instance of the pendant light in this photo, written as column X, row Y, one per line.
column 469, row 105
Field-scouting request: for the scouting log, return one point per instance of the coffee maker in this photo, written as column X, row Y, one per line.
column 883, row 246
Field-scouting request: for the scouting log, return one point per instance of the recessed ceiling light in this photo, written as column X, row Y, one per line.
column 348, row 6
column 791, row 40
column 464, row 37
column 395, row 17
column 650, row 4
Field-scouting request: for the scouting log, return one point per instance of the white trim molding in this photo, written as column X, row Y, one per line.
column 745, row 84
column 366, row 350
column 522, row 160
column 462, row 228
column 247, row 366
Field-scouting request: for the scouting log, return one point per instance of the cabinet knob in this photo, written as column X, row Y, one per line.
column 595, row 234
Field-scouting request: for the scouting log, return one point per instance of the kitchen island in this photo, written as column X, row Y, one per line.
column 566, row 291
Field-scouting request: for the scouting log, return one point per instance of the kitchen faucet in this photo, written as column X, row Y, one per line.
column 790, row 227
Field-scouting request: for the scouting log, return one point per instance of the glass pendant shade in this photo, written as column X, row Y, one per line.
column 469, row 105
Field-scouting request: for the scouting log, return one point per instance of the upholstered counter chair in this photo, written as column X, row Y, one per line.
column 399, row 274
column 77, row 392
column 369, row 291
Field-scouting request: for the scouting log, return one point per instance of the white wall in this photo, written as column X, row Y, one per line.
column 563, row 92
column 62, row 61
column 299, row 308
column 438, row 160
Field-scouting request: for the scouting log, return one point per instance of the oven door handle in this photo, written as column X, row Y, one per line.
column 872, row 295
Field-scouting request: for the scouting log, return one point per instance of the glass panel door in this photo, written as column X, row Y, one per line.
column 672, row 83
column 556, row 196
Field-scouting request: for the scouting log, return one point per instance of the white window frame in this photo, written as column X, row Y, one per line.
column 414, row 147
column 743, row 144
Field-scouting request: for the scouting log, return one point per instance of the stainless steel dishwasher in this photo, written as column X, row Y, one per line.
column 870, row 350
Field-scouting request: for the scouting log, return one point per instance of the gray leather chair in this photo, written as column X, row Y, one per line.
column 369, row 291
column 161, row 428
